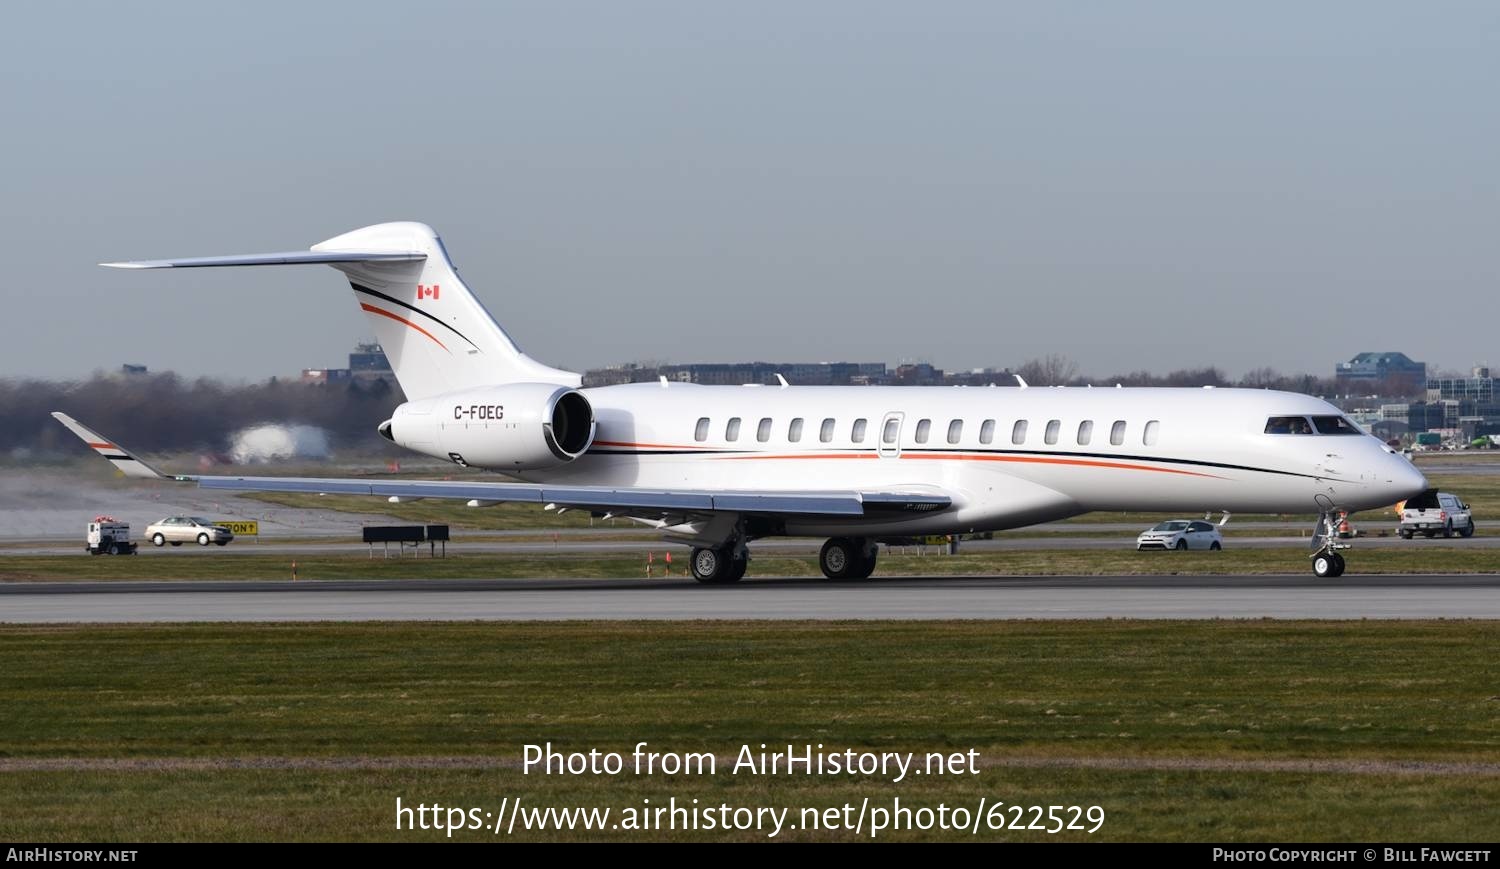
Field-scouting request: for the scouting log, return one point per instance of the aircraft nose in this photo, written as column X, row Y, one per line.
column 1405, row 480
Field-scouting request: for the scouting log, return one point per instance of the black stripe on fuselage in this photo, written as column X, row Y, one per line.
column 413, row 308
column 1042, row 453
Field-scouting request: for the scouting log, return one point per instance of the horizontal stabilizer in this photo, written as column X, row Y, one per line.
column 286, row 258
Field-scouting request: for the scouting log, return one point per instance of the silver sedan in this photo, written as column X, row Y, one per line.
column 178, row 530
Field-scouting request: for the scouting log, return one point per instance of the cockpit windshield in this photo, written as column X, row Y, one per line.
column 1323, row 425
column 1334, row 425
column 1288, row 425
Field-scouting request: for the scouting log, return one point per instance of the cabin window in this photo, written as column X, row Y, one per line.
column 955, row 431
column 1152, row 428
column 732, row 430
column 701, row 432
column 1334, row 425
column 825, row 433
column 892, row 427
column 857, row 434
column 1288, row 425
column 1117, row 432
column 794, row 431
column 924, row 427
column 1053, row 427
column 987, row 432
column 763, row 431
column 1018, row 432
column 1085, row 432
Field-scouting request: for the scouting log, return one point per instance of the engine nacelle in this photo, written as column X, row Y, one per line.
column 517, row 427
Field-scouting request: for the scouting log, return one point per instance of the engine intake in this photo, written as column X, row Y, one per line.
column 516, row 427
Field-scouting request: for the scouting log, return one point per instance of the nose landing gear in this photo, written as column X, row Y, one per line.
column 1327, row 563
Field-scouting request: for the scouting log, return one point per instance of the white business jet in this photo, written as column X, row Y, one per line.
column 717, row 467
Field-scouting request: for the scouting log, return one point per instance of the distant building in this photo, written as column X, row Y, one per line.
column 368, row 362
column 1387, row 373
column 739, row 373
column 326, row 375
column 130, row 370
column 1467, row 403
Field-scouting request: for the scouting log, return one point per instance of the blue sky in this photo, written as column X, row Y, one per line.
column 1146, row 185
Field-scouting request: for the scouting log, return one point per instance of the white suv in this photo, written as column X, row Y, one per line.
column 178, row 530
column 1181, row 534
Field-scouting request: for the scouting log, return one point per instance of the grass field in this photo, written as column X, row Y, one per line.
column 1385, row 731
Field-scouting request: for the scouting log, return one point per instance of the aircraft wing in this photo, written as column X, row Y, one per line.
column 655, row 504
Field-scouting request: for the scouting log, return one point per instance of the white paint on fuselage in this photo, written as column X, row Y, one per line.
column 1211, row 451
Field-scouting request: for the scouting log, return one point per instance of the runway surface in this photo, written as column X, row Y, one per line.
column 1134, row 597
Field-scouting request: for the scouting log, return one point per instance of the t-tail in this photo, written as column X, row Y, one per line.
column 438, row 337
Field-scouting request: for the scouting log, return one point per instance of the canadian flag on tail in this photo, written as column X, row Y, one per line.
column 426, row 292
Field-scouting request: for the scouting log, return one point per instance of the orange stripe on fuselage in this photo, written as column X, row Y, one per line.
column 944, row 457
column 384, row 313
column 652, row 446
column 951, row 457
column 1042, row 460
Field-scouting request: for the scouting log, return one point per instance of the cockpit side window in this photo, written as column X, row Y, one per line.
column 1288, row 425
column 1334, row 425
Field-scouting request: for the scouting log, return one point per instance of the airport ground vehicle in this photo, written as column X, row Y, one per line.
column 178, row 530
column 1432, row 513
column 108, row 537
column 1180, row 534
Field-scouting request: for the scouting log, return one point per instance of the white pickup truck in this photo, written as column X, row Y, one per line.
column 1432, row 513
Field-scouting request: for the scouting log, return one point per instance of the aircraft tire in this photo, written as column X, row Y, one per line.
column 867, row 558
column 838, row 558
column 712, row 566
column 1328, row 565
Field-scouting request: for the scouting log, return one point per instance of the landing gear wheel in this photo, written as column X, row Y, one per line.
column 203, row 540
column 839, row 558
column 868, row 553
column 737, row 567
column 158, row 540
column 1327, row 565
column 710, row 566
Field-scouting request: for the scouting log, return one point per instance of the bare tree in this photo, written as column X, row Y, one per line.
column 1054, row 369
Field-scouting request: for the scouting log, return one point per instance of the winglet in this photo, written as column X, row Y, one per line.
column 117, row 455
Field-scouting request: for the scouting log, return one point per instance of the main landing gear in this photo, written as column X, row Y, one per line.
column 840, row 558
column 1327, row 563
column 848, row 558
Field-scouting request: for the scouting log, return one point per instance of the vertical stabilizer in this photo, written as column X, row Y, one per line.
column 436, row 334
